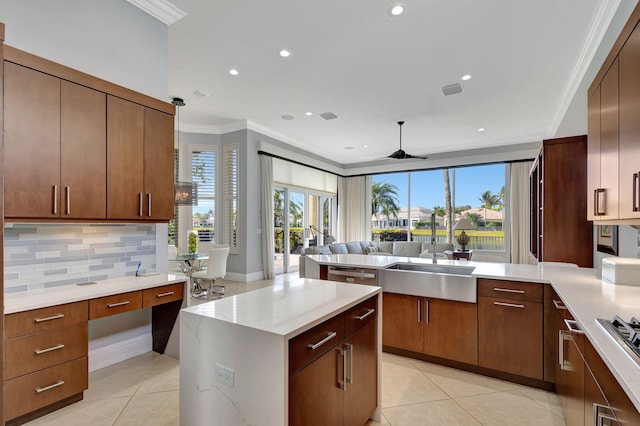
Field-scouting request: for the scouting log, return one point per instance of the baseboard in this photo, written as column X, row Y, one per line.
column 120, row 351
column 244, row 278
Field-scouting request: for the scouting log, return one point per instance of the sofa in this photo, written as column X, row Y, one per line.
column 375, row 248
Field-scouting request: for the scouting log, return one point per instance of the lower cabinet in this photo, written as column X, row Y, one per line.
column 441, row 328
column 339, row 384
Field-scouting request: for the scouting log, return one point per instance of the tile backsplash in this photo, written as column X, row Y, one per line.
column 49, row 255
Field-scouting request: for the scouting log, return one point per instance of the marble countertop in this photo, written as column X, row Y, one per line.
column 34, row 299
column 585, row 294
column 286, row 309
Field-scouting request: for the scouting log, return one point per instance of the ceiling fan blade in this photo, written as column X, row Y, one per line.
column 420, row 157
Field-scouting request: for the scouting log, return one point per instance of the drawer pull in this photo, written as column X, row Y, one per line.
column 559, row 305
column 168, row 293
column 113, row 305
column 508, row 290
column 56, row 316
column 53, row 348
column 510, row 305
column 46, row 388
column 314, row 346
column 572, row 325
column 369, row 312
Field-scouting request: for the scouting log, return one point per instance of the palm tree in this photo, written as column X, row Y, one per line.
column 295, row 212
column 439, row 211
column 488, row 199
column 384, row 199
column 447, row 203
column 278, row 206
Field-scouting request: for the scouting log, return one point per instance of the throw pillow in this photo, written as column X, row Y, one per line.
column 372, row 249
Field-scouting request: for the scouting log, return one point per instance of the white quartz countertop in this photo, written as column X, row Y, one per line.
column 51, row 296
column 586, row 296
column 285, row 309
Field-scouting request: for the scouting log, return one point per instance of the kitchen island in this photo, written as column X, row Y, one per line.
column 586, row 296
column 242, row 358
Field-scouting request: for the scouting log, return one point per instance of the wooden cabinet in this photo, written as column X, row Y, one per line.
column 140, row 162
column 440, row 328
column 56, row 140
column 510, row 327
column 558, row 182
column 334, row 370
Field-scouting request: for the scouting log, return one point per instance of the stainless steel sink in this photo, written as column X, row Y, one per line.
column 451, row 282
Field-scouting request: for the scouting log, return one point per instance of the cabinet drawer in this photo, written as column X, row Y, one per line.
column 36, row 390
column 38, row 320
column 311, row 344
column 116, row 304
column 360, row 315
column 514, row 290
column 159, row 295
column 353, row 275
column 37, row 351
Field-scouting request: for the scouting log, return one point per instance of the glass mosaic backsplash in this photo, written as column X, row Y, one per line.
column 48, row 255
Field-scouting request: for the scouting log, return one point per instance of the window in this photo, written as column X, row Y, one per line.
column 173, row 223
column 230, row 191
column 402, row 204
column 203, row 173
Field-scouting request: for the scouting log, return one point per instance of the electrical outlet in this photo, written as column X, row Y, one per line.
column 224, row 375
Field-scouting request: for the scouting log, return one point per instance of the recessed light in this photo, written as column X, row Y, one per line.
column 396, row 10
column 365, row 146
column 233, row 71
column 285, row 53
column 201, row 94
column 287, row 117
column 466, row 77
column 308, row 113
column 481, row 129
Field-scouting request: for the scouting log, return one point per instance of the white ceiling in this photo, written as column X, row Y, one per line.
column 350, row 57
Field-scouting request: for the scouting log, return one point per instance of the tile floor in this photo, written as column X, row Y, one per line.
column 145, row 391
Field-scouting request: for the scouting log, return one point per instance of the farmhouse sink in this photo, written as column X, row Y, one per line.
column 451, row 282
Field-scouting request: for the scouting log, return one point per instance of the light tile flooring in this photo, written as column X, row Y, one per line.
column 145, row 391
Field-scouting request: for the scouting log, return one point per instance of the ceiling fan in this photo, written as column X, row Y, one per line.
column 400, row 154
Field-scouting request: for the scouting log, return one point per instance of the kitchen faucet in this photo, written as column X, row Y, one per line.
column 433, row 237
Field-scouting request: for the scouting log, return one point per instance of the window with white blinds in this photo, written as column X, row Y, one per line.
column 203, row 173
column 230, row 193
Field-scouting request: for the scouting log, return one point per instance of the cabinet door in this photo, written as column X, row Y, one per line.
column 450, row 330
column 158, row 165
column 608, row 202
column 83, row 149
column 629, row 58
column 402, row 322
column 510, row 336
column 574, row 367
column 125, row 159
column 361, row 394
column 32, row 143
column 593, row 153
column 315, row 397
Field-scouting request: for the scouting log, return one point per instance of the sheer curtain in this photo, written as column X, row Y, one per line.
column 266, row 199
column 352, row 208
column 519, row 211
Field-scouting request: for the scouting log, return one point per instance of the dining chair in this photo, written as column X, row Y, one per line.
column 216, row 269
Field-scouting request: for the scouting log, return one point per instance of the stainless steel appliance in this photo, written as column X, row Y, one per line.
column 627, row 334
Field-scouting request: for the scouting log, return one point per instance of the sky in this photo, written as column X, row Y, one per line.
column 427, row 187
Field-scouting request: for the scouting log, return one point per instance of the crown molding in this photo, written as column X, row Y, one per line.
column 600, row 24
column 162, row 10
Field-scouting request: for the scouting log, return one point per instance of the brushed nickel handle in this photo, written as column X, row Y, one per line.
column 149, row 203
column 419, row 311
column 349, row 377
column 140, row 204
column 635, row 192
column 510, row 305
column 595, row 202
column 54, row 317
column 53, row 348
column 342, row 383
column 426, row 312
column 508, row 290
column 67, row 191
column 46, row 388
column 573, row 327
column 169, row 293
column 601, row 195
column 314, row 346
column 559, row 305
column 55, row 199
column 562, row 337
column 113, row 305
column 363, row 316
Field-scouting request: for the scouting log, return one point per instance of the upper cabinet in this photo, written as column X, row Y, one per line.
column 81, row 148
column 614, row 132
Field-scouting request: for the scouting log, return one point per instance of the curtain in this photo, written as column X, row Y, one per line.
column 266, row 198
column 352, row 209
column 519, row 211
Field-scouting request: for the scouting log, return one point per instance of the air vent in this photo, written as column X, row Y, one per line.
column 328, row 115
column 452, row 89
